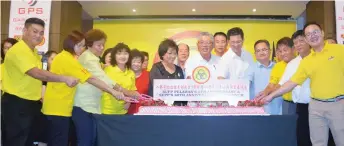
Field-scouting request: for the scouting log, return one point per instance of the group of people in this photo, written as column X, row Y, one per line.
column 306, row 79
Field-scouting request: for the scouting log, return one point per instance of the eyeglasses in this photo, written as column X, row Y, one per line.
column 315, row 32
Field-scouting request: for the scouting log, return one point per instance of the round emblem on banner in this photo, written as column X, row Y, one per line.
column 42, row 42
column 201, row 74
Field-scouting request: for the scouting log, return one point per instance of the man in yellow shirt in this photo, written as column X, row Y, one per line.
column 22, row 84
column 285, row 45
column 325, row 69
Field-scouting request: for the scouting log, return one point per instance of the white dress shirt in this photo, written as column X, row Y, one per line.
column 233, row 66
column 197, row 60
column 88, row 96
column 300, row 94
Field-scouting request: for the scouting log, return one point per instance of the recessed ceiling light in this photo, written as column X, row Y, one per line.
column 254, row 10
column 193, row 10
column 134, row 10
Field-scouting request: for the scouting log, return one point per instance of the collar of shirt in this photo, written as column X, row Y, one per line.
column 324, row 50
column 89, row 55
column 259, row 65
column 213, row 59
column 117, row 69
column 232, row 54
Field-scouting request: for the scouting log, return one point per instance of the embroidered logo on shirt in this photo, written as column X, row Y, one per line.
column 331, row 58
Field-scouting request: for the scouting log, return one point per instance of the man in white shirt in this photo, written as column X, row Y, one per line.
column 183, row 55
column 235, row 62
column 205, row 45
column 300, row 94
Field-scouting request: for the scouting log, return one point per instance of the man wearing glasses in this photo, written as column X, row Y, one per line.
column 325, row 69
column 236, row 60
column 259, row 75
column 205, row 45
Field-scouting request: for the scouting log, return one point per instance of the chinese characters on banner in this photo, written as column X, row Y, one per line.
column 23, row 9
column 340, row 21
column 213, row 90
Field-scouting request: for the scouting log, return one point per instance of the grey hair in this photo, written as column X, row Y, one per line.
column 206, row 34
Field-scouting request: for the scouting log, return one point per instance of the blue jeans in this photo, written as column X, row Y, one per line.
column 85, row 127
column 58, row 130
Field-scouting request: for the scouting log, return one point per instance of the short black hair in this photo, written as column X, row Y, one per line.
column 297, row 34
column 310, row 23
column 137, row 54
column 235, row 31
column 49, row 53
column 8, row 40
column 118, row 48
column 221, row 34
column 34, row 20
column 285, row 41
column 145, row 54
column 261, row 41
column 107, row 51
column 165, row 45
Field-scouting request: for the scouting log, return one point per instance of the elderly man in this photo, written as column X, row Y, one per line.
column 183, row 55
column 325, row 69
column 205, row 45
column 235, row 62
column 259, row 75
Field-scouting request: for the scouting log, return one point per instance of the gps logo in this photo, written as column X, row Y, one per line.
column 31, row 2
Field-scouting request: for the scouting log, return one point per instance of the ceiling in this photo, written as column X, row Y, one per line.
column 98, row 9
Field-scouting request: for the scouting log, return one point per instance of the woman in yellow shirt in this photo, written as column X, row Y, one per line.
column 58, row 99
column 119, row 72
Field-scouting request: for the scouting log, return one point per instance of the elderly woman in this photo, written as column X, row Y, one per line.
column 166, row 69
column 88, row 97
column 142, row 77
column 58, row 99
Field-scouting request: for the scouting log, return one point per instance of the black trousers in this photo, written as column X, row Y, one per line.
column 18, row 116
column 302, row 131
column 303, row 136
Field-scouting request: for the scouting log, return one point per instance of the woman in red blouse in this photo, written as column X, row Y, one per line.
column 142, row 77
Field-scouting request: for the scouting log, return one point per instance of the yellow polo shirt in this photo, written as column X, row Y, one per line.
column 325, row 70
column 20, row 59
column 125, row 79
column 58, row 99
column 276, row 75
